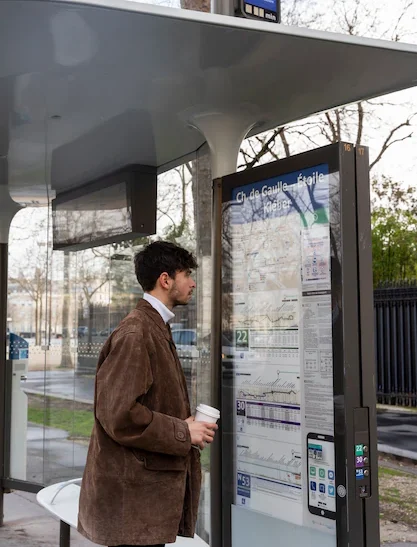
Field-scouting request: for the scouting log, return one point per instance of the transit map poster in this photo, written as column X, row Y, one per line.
column 277, row 314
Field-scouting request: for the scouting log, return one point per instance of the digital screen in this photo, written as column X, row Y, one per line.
column 114, row 208
column 321, row 475
column 270, row 5
column 98, row 215
column 262, row 9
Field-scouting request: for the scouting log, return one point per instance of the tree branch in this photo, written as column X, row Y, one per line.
column 388, row 142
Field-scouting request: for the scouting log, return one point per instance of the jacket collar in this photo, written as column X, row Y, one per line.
column 163, row 311
column 154, row 315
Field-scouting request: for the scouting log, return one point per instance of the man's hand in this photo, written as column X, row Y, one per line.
column 201, row 432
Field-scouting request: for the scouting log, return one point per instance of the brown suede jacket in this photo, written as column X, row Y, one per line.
column 142, row 478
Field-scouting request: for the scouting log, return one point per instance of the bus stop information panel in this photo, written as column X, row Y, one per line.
column 287, row 441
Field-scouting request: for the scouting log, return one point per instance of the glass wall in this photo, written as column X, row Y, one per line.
column 64, row 305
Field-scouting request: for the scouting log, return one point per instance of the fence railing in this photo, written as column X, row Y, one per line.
column 395, row 316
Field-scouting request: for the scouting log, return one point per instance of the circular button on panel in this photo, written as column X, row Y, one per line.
column 365, row 448
column 341, row 491
column 366, row 472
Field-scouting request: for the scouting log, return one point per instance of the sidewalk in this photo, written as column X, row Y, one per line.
column 26, row 524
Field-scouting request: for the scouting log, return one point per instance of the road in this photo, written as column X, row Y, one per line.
column 398, row 429
column 60, row 383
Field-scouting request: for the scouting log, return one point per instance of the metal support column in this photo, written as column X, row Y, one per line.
column 224, row 133
column 8, row 208
column 3, row 339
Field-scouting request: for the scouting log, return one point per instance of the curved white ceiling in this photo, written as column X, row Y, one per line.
column 104, row 84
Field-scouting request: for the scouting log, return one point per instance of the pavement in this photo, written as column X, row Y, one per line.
column 52, row 457
column 26, row 524
column 64, row 384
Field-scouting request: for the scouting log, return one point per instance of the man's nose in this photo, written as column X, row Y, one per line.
column 193, row 285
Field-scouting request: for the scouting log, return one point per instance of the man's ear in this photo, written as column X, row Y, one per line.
column 164, row 280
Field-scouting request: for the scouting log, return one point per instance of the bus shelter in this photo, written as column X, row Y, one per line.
column 97, row 99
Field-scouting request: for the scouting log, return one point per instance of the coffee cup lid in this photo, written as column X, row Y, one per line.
column 209, row 410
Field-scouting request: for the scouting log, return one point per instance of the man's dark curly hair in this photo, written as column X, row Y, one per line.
column 159, row 257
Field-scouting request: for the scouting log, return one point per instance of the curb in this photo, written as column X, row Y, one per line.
column 54, row 396
column 398, row 452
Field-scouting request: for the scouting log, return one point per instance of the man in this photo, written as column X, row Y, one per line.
column 142, row 478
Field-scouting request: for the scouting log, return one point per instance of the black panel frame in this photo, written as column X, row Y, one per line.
column 367, row 342
column 347, row 354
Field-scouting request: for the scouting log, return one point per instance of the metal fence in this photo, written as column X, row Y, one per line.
column 395, row 316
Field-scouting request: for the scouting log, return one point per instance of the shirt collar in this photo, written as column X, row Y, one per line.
column 163, row 311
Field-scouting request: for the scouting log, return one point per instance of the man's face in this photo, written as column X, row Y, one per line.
column 182, row 287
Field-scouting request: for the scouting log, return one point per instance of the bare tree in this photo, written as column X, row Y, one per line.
column 33, row 280
column 355, row 122
column 175, row 204
column 91, row 277
column 66, row 360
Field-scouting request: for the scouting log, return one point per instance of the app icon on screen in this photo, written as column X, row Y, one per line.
column 331, row 475
column 313, row 486
column 322, row 473
column 322, row 488
column 312, row 471
column 330, row 491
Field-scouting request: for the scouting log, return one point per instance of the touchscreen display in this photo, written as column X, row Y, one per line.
column 321, row 475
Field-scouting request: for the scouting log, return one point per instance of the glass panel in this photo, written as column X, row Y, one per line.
column 278, row 366
column 65, row 305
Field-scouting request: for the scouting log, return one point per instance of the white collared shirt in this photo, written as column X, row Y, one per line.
column 163, row 311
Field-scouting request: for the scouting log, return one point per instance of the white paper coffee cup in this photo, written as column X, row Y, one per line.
column 208, row 414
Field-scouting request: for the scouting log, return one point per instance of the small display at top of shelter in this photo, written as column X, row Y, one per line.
column 267, row 10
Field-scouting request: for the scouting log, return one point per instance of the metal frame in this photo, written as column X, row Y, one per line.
column 346, row 342
column 3, row 341
column 352, row 292
column 216, row 518
column 366, row 333
column 23, row 486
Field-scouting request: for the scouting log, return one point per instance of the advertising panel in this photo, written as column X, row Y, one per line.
column 277, row 316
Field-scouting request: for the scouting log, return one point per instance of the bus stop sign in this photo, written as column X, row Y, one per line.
column 266, row 10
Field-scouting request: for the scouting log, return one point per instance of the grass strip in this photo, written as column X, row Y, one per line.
column 78, row 423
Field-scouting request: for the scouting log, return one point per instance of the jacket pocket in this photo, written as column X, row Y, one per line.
column 155, row 461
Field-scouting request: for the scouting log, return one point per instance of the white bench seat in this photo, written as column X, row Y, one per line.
column 61, row 500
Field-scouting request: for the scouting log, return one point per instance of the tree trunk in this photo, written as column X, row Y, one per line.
column 66, row 361
column 40, row 318
column 90, row 323
column 49, row 312
column 37, row 334
column 196, row 5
